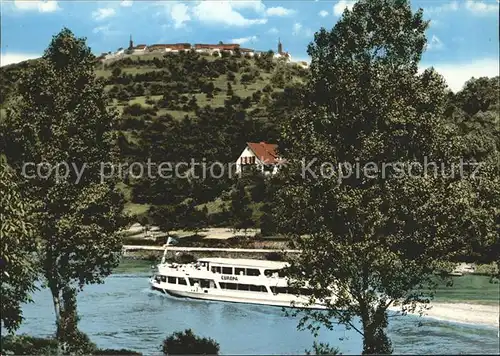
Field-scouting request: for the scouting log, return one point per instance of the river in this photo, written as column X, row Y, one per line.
column 124, row 313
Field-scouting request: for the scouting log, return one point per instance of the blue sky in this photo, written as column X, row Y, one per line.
column 463, row 36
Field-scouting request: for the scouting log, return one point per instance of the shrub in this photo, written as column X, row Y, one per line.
column 275, row 256
column 323, row 349
column 186, row 258
column 27, row 345
column 186, row 343
column 115, row 352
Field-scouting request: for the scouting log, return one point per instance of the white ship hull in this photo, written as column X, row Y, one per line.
column 270, row 300
column 232, row 280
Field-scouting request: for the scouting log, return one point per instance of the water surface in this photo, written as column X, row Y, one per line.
column 124, row 313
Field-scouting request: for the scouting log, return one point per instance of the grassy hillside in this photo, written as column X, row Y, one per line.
column 174, row 107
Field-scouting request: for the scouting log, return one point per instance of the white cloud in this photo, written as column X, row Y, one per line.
column 477, row 7
column 179, row 14
column 456, row 74
column 244, row 40
column 40, row 6
column 480, row 7
column 323, row 13
column 126, row 3
column 296, row 28
column 435, row 43
column 223, row 12
column 273, row 30
column 339, row 7
column 279, row 11
column 255, row 5
column 105, row 30
column 11, row 58
column 451, row 6
column 103, row 13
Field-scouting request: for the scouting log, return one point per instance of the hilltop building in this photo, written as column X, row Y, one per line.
column 212, row 49
column 169, row 47
column 216, row 48
column 281, row 53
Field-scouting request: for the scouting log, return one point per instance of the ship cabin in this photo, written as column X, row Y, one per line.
column 229, row 270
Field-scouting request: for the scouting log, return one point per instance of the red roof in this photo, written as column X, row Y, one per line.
column 224, row 46
column 171, row 45
column 266, row 152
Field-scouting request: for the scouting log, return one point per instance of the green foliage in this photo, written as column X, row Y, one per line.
column 115, row 352
column 241, row 214
column 186, row 343
column 320, row 348
column 18, row 247
column 185, row 258
column 61, row 116
column 72, row 340
column 384, row 232
column 28, row 345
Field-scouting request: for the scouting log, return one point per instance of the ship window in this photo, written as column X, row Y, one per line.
column 227, row 270
column 273, row 272
column 157, row 278
column 273, row 290
column 204, row 283
column 258, row 288
column 231, row 285
column 253, row 272
column 282, row 290
column 172, row 280
column 213, row 285
column 222, row 285
column 243, row 287
column 239, row 271
column 306, row 291
column 216, row 269
column 192, row 281
column 182, row 281
column 163, row 278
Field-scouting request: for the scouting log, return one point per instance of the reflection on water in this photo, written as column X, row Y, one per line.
column 124, row 313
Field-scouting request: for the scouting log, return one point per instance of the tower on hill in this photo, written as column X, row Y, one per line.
column 131, row 43
column 280, row 46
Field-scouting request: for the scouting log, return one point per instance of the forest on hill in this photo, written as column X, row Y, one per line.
column 190, row 106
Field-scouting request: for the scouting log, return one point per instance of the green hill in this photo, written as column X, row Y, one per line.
column 178, row 107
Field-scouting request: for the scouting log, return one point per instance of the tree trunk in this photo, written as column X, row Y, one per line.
column 56, row 300
column 375, row 340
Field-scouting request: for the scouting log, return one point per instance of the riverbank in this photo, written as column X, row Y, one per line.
column 465, row 313
column 461, row 312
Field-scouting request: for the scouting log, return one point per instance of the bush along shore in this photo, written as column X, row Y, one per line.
column 179, row 343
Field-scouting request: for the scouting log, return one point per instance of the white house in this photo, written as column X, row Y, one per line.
column 261, row 155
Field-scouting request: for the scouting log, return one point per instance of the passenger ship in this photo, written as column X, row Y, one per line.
column 231, row 280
